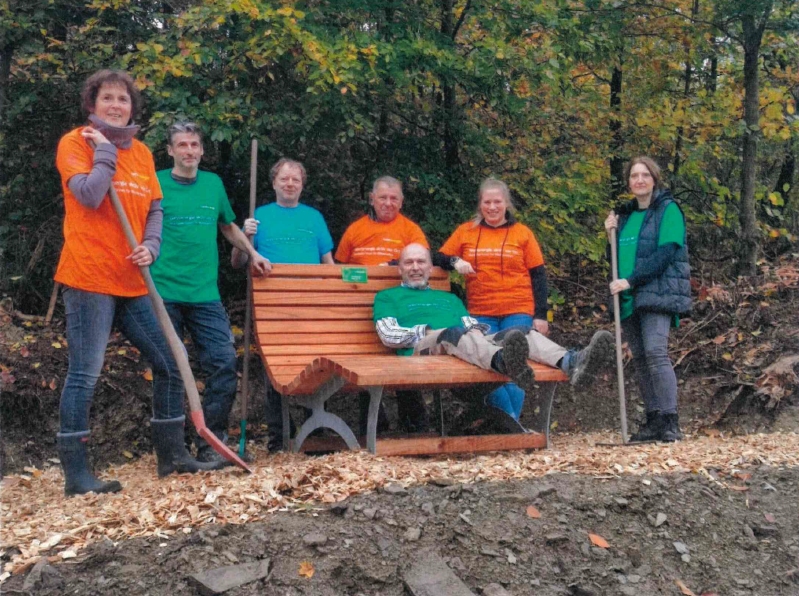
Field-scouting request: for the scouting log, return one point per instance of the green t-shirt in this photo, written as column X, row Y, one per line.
column 411, row 307
column 672, row 230
column 187, row 269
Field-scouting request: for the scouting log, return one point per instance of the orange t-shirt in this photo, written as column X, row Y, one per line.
column 370, row 242
column 93, row 257
column 502, row 258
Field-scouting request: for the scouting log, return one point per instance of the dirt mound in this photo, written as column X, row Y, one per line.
column 668, row 534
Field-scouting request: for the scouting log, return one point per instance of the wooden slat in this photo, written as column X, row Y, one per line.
column 334, row 271
column 264, row 285
column 313, row 326
column 470, row 444
column 315, row 298
column 288, row 313
column 332, row 351
column 313, row 339
column 430, row 444
column 424, row 371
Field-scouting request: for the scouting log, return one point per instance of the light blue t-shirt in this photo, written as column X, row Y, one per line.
column 296, row 235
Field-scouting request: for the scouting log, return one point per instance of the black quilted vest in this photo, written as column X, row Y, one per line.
column 671, row 292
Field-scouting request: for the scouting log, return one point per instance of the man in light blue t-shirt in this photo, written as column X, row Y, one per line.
column 291, row 233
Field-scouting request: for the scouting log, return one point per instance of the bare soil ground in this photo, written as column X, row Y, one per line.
column 666, row 534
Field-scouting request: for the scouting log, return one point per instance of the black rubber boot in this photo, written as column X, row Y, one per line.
column 671, row 428
column 171, row 452
column 649, row 430
column 511, row 360
column 78, row 477
column 584, row 365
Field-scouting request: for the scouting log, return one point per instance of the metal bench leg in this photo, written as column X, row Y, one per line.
column 321, row 419
column 284, row 412
column 438, row 405
column 546, row 406
column 375, row 394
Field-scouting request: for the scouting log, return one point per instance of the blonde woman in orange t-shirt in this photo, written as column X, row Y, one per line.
column 103, row 287
column 506, row 287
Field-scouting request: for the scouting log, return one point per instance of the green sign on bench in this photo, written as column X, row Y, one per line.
column 354, row 275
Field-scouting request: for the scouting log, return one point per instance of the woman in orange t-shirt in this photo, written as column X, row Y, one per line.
column 103, row 286
column 506, row 283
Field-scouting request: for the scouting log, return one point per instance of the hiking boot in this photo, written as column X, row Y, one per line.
column 671, row 428
column 584, row 365
column 649, row 430
column 511, row 360
column 171, row 452
column 78, row 477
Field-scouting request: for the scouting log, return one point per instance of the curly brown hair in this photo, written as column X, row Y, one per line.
column 88, row 97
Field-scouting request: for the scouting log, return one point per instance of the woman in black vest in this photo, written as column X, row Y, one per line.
column 654, row 290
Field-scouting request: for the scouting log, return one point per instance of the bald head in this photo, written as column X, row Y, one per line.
column 415, row 266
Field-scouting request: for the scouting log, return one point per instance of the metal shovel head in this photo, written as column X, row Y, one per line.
column 198, row 420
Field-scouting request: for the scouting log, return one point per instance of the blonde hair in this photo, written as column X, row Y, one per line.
column 493, row 184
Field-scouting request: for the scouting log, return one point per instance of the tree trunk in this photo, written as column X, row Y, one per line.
column 753, row 35
column 685, row 92
column 448, row 89
column 618, row 184
column 6, row 55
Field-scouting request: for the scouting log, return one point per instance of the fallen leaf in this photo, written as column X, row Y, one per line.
column 683, row 588
column 127, row 454
column 719, row 339
column 727, row 356
column 53, row 385
column 597, row 540
column 24, row 352
column 306, row 569
column 56, row 345
column 533, row 512
column 148, row 375
column 35, row 472
column 745, row 476
column 770, row 518
column 738, row 488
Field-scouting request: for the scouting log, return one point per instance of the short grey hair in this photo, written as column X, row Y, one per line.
column 388, row 181
column 184, row 127
column 285, row 161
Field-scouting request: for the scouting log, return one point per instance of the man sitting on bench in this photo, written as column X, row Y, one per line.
column 417, row 320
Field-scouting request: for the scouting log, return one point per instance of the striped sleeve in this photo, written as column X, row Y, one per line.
column 394, row 336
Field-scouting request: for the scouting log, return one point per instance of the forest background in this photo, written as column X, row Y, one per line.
column 552, row 96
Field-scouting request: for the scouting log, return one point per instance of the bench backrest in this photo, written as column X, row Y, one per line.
column 302, row 312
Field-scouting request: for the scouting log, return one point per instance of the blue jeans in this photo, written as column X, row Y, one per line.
column 90, row 317
column 209, row 328
column 647, row 334
column 508, row 398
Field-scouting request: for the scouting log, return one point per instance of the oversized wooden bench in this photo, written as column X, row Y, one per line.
column 316, row 336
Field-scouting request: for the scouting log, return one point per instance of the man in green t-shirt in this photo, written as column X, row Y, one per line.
column 196, row 207
column 417, row 320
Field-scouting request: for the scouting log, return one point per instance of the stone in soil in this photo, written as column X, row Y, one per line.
column 222, row 579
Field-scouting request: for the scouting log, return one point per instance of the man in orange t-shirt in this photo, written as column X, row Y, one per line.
column 378, row 238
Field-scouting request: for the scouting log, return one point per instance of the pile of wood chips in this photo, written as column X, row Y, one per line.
column 37, row 520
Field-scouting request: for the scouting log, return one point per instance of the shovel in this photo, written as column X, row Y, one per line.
column 614, row 264
column 175, row 345
column 245, row 374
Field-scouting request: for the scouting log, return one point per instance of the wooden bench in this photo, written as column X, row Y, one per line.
column 316, row 336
